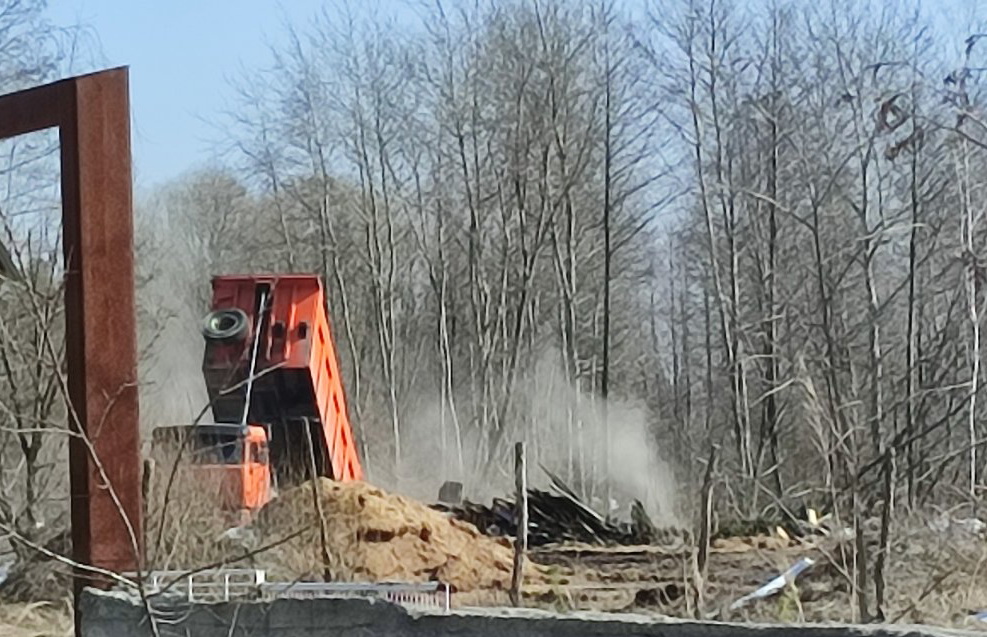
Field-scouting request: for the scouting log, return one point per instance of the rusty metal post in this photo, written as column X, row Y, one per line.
column 101, row 336
column 92, row 113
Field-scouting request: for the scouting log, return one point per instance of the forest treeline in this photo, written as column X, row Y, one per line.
column 624, row 232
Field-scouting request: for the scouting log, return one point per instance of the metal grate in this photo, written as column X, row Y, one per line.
column 223, row 585
column 433, row 596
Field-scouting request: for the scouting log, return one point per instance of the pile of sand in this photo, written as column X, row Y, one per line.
column 376, row 536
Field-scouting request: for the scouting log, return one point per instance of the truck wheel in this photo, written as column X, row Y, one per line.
column 226, row 325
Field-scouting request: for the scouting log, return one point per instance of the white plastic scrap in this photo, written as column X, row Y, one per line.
column 775, row 585
column 945, row 523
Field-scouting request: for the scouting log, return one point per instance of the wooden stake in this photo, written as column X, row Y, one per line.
column 521, row 541
column 705, row 530
column 887, row 513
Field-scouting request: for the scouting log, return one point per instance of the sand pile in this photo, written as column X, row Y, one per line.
column 377, row 536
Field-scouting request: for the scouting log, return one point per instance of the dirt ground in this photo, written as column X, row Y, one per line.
column 935, row 575
column 935, row 571
column 932, row 580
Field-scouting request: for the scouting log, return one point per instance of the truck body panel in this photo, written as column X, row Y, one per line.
column 297, row 377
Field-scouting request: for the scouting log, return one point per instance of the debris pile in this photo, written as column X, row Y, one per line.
column 371, row 535
column 552, row 519
column 558, row 517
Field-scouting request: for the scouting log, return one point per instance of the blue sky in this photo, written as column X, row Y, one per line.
column 180, row 53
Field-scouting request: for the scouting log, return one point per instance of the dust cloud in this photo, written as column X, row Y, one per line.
column 565, row 429
column 172, row 390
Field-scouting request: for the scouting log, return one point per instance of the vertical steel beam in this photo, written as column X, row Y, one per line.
column 101, row 337
column 92, row 113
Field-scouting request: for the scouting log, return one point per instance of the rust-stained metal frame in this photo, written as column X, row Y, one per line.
column 92, row 114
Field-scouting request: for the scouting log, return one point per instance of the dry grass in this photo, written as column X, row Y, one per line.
column 184, row 521
column 40, row 619
column 934, row 578
column 937, row 577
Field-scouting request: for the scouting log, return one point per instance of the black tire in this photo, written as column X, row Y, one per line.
column 226, row 326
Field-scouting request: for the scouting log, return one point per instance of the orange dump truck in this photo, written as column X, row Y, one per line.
column 275, row 389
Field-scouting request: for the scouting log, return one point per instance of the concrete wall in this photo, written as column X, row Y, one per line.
column 120, row 615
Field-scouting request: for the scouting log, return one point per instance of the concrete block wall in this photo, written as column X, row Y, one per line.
column 110, row 614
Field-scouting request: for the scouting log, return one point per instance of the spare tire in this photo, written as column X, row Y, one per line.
column 226, row 325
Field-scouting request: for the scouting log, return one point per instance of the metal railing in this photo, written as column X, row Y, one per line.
column 213, row 585
column 223, row 585
column 434, row 596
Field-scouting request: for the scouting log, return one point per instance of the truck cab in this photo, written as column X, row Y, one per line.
column 229, row 462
